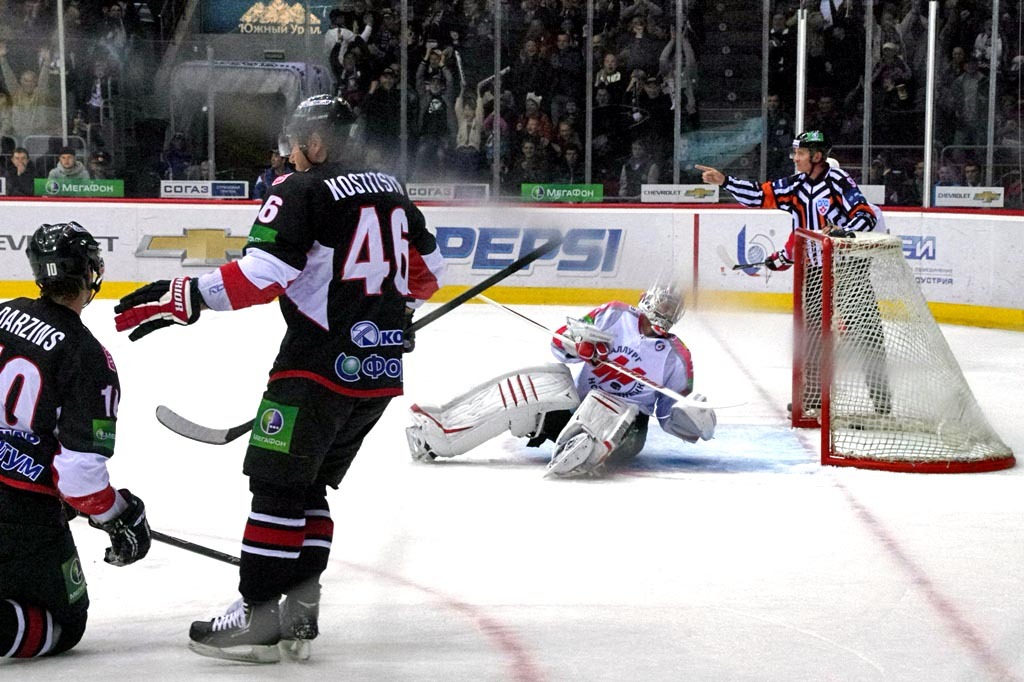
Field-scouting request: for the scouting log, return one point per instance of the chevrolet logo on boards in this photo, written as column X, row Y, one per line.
column 204, row 247
column 987, row 197
column 699, row 192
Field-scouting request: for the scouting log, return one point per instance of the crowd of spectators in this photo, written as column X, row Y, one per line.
column 97, row 37
column 544, row 86
column 835, row 89
column 540, row 122
column 454, row 125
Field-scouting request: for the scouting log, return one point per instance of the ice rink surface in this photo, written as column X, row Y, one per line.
column 740, row 559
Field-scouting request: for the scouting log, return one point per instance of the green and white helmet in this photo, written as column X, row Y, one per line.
column 814, row 141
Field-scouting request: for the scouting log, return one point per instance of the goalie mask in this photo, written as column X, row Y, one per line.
column 663, row 305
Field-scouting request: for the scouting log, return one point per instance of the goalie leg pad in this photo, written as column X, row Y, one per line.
column 514, row 402
column 632, row 443
column 597, row 428
column 691, row 423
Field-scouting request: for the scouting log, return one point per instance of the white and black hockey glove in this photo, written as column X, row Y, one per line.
column 157, row 305
column 129, row 532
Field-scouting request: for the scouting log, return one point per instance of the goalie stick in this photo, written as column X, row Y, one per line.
column 504, row 273
column 213, row 436
column 640, row 378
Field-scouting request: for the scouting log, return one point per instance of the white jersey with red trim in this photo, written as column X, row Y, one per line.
column 663, row 359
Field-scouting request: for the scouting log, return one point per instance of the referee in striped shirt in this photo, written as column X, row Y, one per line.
column 822, row 198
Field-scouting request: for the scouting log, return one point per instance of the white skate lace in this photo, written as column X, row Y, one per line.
column 234, row 618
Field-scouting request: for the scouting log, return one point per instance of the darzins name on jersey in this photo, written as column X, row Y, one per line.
column 30, row 328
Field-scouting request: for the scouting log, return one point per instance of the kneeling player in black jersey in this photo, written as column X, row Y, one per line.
column 345, row 252
column 60, row 393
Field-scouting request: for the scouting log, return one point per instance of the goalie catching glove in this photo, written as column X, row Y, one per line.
column 586, row 342
column 129, row 532
column 778, row 261
column 157, row 305
column 594, row 353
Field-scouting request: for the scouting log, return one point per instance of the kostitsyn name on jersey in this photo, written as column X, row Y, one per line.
column 351, row 184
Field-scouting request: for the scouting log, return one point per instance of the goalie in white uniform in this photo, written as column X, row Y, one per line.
column 595, row 413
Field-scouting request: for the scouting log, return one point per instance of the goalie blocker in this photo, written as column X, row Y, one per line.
column 601, row 428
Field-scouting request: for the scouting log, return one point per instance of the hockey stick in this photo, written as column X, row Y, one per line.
column 213, row 436
column 204, row 434
column 621, row 369
column 731, row 262
column 192, row 547
column 475, row 290
column 744, row 266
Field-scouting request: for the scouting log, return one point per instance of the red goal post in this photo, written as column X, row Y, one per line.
column 872, row 368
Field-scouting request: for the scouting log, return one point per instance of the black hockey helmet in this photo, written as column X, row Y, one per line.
column 322, row 113
column 65, row 259
column 813, row 141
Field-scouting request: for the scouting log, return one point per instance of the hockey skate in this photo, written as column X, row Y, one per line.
column 246, row 632
column 299, row 627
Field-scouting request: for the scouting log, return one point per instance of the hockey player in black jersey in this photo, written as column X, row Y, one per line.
column 345, row 252
column 60, row 393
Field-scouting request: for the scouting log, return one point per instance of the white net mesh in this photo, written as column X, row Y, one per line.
column 897, row 393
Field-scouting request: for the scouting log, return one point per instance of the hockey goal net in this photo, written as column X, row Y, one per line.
column 872, row 368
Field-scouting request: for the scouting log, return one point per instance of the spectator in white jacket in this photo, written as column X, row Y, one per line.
column 338, row 40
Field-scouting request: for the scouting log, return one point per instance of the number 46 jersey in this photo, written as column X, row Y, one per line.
column 344, row 251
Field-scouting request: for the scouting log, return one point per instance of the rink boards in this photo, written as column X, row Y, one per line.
column 960, row 259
